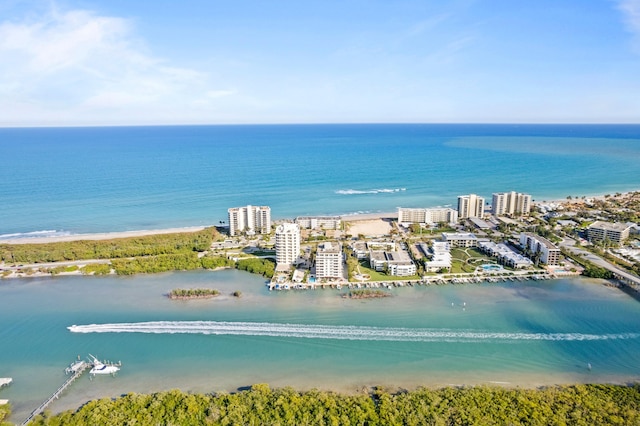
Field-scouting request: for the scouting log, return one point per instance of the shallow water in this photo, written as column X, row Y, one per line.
column 524, row 333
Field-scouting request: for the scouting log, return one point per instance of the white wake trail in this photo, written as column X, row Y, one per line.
column 334, row 332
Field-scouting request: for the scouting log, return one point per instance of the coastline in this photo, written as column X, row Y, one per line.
column 145, row 232
column 100, row 236
column 348, row 217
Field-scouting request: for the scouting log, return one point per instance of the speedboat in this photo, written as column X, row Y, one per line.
column 100, row 367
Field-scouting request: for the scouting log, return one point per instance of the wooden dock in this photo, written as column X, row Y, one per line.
column 75, row 373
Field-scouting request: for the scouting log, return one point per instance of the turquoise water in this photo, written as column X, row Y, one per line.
column 76, row 180
column 529, row 334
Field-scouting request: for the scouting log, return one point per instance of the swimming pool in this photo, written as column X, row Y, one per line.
column 491, row 268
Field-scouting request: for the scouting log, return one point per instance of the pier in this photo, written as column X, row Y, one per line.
column 75, row 370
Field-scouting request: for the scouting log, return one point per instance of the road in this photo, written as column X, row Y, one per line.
column 569, row 244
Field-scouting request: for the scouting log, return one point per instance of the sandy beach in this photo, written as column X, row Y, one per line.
column 101, row 236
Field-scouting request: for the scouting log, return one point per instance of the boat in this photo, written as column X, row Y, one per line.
column 102, row 368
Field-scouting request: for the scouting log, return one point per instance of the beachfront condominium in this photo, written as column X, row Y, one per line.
column 250, row 220
column 470, row 206
column 287, row 243
column 329, row 260
column 511, row 204
column 540, row 247
column 427, row 216
column 318, row 222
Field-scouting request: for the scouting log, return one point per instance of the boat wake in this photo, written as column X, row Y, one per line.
column 370, row 191
column 335, row 332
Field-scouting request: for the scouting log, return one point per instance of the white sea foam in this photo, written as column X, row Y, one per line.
column 335, row 332
column 369, row 191
column 35, row 234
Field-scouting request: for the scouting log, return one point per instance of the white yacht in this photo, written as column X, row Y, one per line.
column 100, row 367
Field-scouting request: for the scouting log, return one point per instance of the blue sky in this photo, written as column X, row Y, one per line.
column 122, row 62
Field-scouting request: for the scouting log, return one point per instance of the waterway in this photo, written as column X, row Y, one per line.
column 515, row 333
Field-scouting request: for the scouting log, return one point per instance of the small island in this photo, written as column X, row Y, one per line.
column 192, row 293
column 366, row 293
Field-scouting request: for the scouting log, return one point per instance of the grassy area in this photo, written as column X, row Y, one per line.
column 466, row 260
column 381, row 276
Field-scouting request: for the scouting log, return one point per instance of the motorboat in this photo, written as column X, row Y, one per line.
column 102, row 368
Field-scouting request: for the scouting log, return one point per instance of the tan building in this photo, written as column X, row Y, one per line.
column 511, row 204
column 470, row 206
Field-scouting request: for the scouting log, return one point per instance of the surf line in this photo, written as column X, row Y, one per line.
column 338, row 332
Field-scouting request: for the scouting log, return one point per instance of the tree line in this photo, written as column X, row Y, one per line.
column 150, row 245
column 483, row 405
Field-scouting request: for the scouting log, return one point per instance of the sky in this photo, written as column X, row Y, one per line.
column 123, row 62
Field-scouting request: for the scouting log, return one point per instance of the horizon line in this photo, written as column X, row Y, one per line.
column 355, row 123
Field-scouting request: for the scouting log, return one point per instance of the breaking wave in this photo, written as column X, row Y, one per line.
column 369, row 191
column 334, row 332
column 34, row 234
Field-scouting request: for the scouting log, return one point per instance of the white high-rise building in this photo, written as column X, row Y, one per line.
column 510, row 203
column 470, row 206
column 249, row 219
column 329, row 260
column 287, row 243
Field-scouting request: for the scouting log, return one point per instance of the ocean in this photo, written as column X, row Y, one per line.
column 57, row 181
column 79, row 180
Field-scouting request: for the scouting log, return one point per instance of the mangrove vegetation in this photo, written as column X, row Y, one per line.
column 366, row 293
column 571, row 405
column 192, row 293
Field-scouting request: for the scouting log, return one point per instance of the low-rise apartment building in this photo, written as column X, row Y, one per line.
column 505, row 255
column 426, row 216
column 617, row 233
column 460, row 239
column 396, row 263
column 319, row 222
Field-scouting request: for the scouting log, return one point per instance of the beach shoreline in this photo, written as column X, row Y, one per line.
column 357, row 217
column 351, row 217
column 100, row 235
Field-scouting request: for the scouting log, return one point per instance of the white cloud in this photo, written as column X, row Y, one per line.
column 81, row 68
column 631, row 11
